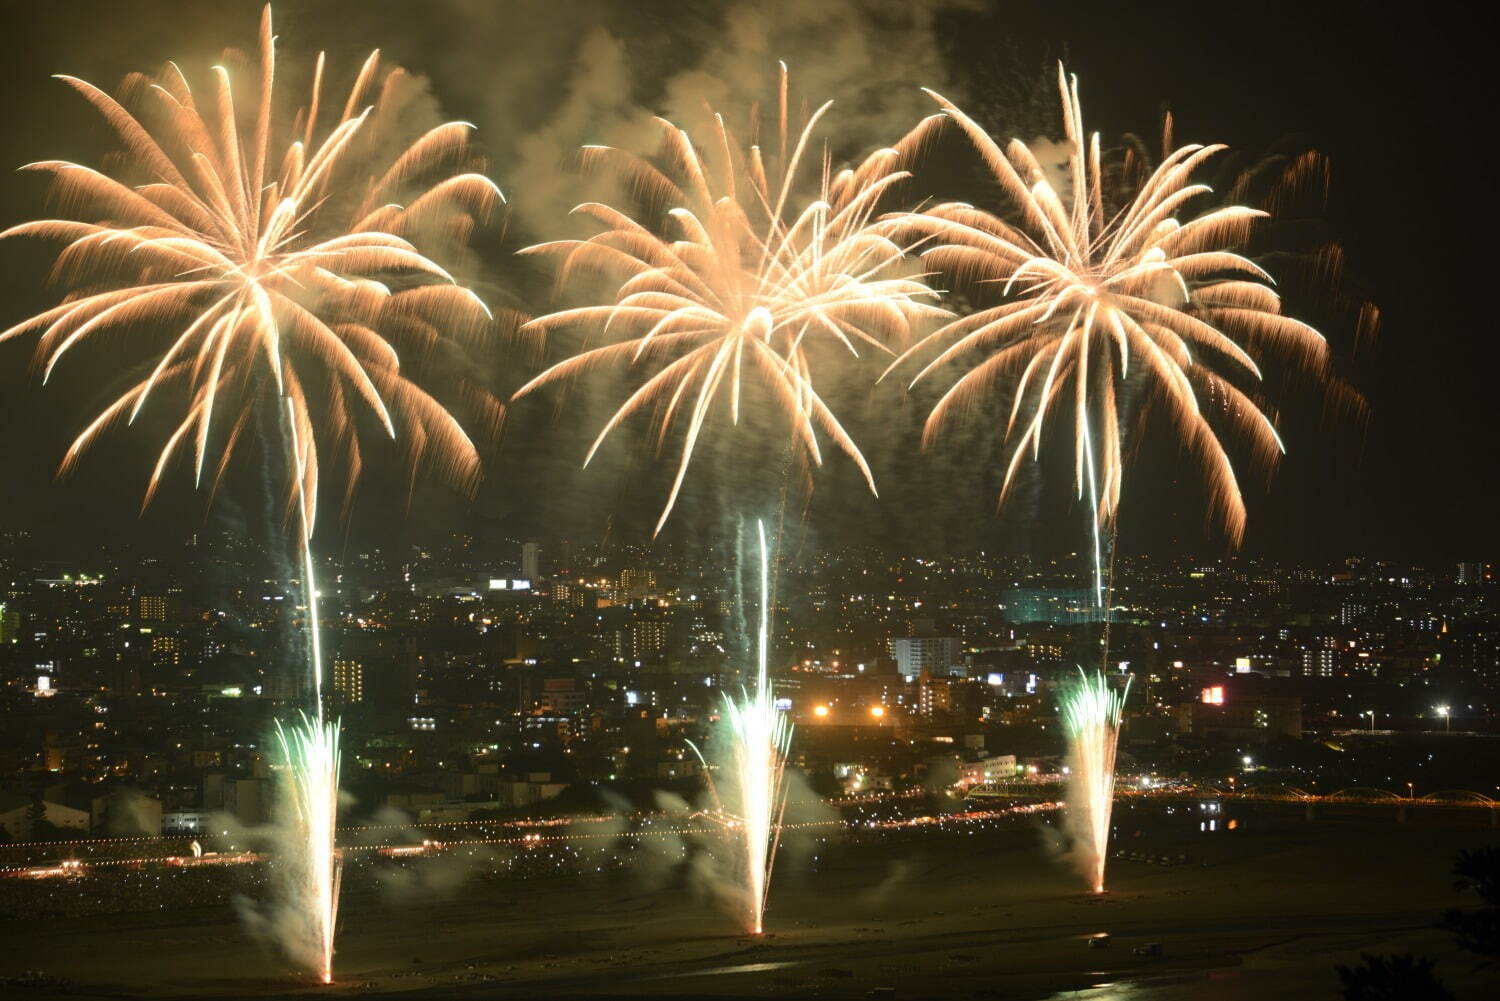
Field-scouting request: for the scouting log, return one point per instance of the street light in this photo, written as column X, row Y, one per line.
column 1447, row 718
column 1370, row 713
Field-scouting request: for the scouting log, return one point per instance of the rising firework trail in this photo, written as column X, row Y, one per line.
column 310, row 752
column 1117, row 297
column 248, row 262
column 760, row 737
column 1090, row 712
column 724, row 281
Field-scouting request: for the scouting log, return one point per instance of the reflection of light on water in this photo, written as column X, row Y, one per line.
column 1106, row 991
column 1178, row 986
column 722, row 970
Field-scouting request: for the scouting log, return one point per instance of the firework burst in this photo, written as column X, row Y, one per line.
column 239, row 254
column 1109, row 295
column 743, row 283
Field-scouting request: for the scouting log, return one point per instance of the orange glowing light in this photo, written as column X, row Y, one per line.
column 820, row 711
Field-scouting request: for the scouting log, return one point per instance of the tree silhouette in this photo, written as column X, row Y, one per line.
column 1392, row 978
column 1477, row 930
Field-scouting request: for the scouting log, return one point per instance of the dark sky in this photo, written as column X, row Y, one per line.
column 1397, row 104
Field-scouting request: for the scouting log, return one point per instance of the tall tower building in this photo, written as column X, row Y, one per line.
column 349, row 679
column 531, row 561
column 937, row 655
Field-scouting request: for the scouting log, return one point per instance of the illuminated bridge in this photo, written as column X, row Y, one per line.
column 1464, row 799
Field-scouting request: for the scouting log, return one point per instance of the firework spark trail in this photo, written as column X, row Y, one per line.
column 1090, row 711
column 744, row 283
column 310, row 749
column 760, row 737
column 248, row 275
column 1107, row 289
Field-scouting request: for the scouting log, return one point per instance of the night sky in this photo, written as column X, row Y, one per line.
column 1399, row 105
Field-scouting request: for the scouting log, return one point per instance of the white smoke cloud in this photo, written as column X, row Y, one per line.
column 557, row 79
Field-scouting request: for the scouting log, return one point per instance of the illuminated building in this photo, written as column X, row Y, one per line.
column 563, row 695
column 934, row 696
column 1243, row 712
column 937, row 655
column 1055, row 606
column 1470, row 656
column 634, row 584
column 166, row 650
column 1320, row 661
column 531, row 561
column 18, row 813
column 349, row 680
column 1472, row 573
column 640, row 639
column 995, row 768
column 151, row 608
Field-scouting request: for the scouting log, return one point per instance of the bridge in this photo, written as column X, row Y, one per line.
column 1464, row 799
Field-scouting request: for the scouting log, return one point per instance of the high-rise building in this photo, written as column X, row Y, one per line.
column 151, row 608
column 647, row 636
column 1471, row 656
column 1320, row 660
column 531, row 561
column 934, row 695
column 349, row 680
column 632, row 584
column 166, row 650
column 1472, row 573
column 563, row 695
column 1251, row 713
column 937, row 655
column 642, row 638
